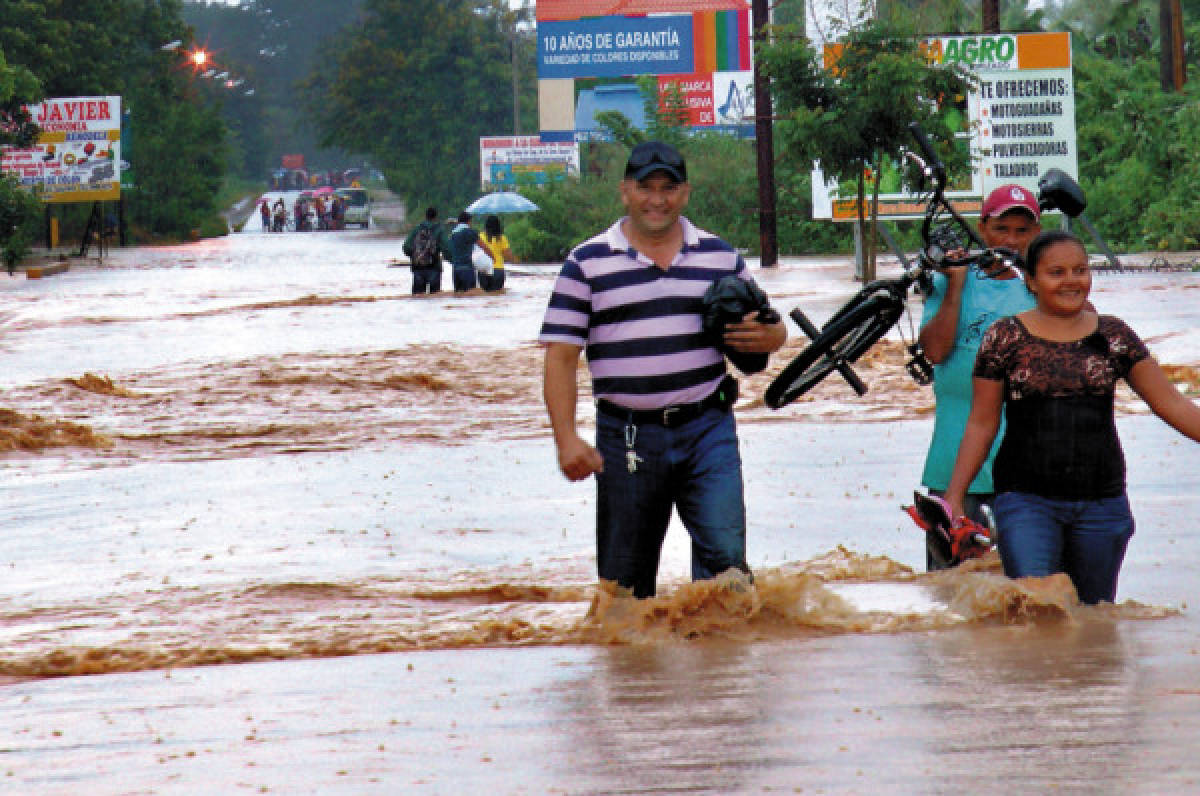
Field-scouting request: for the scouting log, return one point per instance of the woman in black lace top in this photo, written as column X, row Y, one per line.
column 1060, row 472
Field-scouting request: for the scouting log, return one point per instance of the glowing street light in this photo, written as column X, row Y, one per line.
column 199, row 58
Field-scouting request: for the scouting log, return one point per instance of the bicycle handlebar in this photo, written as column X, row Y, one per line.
column 938, row 202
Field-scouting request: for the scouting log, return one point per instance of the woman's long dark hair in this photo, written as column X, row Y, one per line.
column 492, row 227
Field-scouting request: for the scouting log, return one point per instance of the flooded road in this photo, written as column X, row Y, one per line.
column 261, row 452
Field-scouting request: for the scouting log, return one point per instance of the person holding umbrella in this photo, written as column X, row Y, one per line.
column 497, row 243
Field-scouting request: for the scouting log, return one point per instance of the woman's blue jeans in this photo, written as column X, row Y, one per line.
column 1084, row 538
column 695, row 468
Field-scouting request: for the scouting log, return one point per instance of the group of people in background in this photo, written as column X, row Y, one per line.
column 476, row 260
column 307, row 214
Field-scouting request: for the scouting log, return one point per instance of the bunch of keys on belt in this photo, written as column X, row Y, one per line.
column 631, row 457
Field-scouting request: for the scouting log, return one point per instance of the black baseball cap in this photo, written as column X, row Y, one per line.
column 651, row 156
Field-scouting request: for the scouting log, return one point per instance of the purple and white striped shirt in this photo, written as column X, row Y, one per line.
column 641, row 325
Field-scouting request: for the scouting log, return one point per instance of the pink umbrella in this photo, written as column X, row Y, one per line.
column 324, row 190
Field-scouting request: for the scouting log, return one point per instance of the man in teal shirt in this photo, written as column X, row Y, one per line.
column 462, row 242
column 958, row 310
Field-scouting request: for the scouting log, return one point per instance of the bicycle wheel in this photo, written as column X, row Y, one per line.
column 842, row 341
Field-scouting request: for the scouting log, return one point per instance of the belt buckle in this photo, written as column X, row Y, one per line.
column 667, row 412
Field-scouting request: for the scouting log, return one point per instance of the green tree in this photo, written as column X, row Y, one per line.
column 666, row 117
column 853, row 115
column 18, row 88
column 415, row 85
column 19, row 209
column 1139, row 154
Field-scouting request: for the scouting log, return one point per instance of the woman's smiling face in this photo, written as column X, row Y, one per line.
column 1062, row 279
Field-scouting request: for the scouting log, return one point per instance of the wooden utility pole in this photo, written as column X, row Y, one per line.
column 1171, row 69
column 764, row 144
column 991, row 16
column 512, row 44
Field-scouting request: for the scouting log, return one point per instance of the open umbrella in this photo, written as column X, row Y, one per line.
column 501, row 202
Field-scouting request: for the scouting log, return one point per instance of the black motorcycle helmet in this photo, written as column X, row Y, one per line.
column 728, row 300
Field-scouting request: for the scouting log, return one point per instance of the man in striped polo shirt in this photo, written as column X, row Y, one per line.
column 665, row 435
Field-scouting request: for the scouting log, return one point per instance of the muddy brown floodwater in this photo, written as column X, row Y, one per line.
column 271, row 524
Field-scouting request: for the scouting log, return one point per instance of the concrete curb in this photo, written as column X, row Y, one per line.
column 50, row 269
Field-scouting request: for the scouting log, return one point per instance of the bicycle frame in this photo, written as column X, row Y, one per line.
column 877, row 307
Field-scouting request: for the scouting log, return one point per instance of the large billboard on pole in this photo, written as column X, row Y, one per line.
column 591, row 51
column 77, row 156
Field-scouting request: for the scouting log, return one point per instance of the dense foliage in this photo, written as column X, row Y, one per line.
column 1139, row 155
column 19, row 210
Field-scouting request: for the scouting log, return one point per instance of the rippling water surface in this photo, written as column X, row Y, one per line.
column 261, row 452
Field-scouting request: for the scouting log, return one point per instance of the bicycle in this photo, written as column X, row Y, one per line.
column 873, row 311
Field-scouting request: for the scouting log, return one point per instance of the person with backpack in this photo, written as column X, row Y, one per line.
column 425, row 246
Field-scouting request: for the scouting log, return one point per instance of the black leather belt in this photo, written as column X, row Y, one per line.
column 677, row 414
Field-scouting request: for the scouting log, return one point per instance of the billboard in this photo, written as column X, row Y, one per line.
column 1017, row 123
column 77, row 156
column 589, row 51
column 525, row 159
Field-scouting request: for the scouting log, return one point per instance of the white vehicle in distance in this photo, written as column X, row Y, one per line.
column 358, row 206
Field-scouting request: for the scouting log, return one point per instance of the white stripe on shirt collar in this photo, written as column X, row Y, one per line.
column 617, row 241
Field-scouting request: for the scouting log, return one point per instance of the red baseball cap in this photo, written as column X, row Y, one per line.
column 1010, row 197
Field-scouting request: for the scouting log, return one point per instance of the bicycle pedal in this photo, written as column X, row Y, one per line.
column 797, row 315
column 919, row 367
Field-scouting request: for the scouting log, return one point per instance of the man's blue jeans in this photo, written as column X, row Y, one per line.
column 464, row 278
column 1084, row 538
column 695, row 468
column 426, row 279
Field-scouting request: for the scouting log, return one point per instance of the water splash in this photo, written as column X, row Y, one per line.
column 840, row 592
